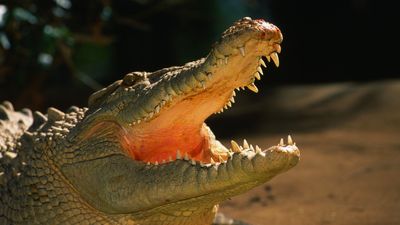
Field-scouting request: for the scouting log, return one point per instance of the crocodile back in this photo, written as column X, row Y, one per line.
column 12, row 125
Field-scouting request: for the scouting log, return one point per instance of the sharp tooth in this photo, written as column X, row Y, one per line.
column 252, row 87
column 202, row 164
column 252, row 148
column 268, row 58
column 257, row 75
column 229, row 104
column 245, row 144
column 221, row 160
column 226, row 60
column 157, row 109
column 235, row 146
column 225, row 107
column 186, row 157
column 203, row 84
column 294, row 143
column 232, row 99
column 156, row 163
column 148, row 163
column 242, row 88
column 260, row 70
column 281, row 143
column 242, row 51
column 212, row 161
column 258, row 149
column 233, row 93
column 238, row 89
column 138, row 121
column 275, row 58
column 178, row 154
column 262, row 62
column 193, row 162
column 278, row 48
column 289, row 140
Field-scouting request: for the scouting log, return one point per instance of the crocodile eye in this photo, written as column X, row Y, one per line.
column 134, row 78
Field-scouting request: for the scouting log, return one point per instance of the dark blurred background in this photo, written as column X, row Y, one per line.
column 57, row 52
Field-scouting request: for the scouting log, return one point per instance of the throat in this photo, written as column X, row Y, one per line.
column 163, row 145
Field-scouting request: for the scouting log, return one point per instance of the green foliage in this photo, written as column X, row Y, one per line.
column 39, row 37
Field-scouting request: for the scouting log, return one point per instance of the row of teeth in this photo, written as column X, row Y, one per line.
column 235, row 148
column 257, row 75
column 186, row 157
column 273, row 55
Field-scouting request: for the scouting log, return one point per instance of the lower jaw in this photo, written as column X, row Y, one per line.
column 206, row 186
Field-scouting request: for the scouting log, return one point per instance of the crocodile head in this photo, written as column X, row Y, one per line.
column 145, row 153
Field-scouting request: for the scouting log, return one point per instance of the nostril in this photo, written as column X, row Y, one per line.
column 277, row 47
column 279, row 36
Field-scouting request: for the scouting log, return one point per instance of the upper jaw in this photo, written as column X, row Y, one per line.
column 221, row 74
column 235, row 60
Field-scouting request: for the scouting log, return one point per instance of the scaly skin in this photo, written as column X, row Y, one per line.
column 141, row 152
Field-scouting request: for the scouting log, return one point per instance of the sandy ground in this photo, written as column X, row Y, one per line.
column 349, row 173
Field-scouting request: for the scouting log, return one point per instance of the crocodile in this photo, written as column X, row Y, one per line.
column 140, row 152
